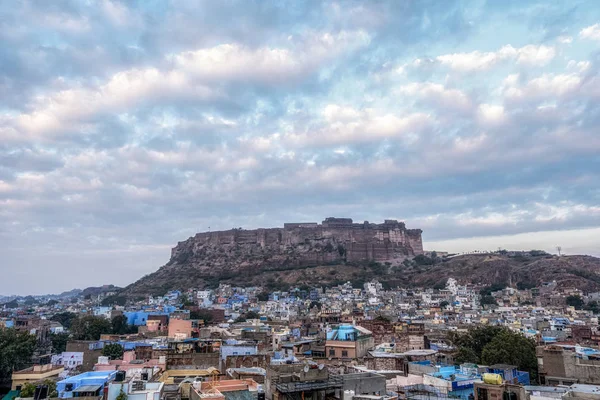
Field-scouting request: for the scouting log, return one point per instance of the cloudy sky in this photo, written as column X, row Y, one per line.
column 128, row 126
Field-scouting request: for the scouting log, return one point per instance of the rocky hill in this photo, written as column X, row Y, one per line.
column 338, row 251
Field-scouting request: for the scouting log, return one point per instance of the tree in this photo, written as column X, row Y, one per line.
column 203, row 315
column 16, row 349
column 488, row 300
column 444, row 304
column 64, row 318
column 28, row 388
column 113, row 350
column 120, row 326
column 59, row 342
column 511, row 348
column 262, row 296
column 186, row 302
column 559, row 249
column 12, row 304
column 90, row 327
column 592, row 306
column 575, row 301
column 247, row 316
column 114, row 301
column 122, row 395
column 51, row 303
column 495, row 345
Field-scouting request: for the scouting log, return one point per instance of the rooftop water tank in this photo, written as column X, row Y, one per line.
column 492, row 379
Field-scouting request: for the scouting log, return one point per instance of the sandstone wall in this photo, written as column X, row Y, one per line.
column 334, row 240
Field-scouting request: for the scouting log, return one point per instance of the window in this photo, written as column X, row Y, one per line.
column 344, row 353
column 482, row 394
column 331, row 352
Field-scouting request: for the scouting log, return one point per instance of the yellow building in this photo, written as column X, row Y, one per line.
column 35, row 374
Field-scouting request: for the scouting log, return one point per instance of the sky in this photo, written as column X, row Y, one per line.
column 127, row 126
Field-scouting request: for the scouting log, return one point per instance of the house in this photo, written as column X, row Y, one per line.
column 131, row 365
column 137, row 387
column 84, row 385
column 35, row 374
column 348, row 341
column 234, row 389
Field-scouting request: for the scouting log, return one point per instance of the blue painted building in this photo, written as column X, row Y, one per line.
column 510, row 373
column 87, row 384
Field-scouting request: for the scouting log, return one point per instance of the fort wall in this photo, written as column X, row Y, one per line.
column 344, row 239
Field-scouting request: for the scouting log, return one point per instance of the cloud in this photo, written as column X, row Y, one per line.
column 439, row 96
column 591, row 32
column 127, row 127
column 345, row 125
column 528, row 56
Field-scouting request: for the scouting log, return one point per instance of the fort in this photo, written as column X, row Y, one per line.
column 333, row 240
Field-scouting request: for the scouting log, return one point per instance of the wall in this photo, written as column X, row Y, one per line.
column 361, row 241
column 364, row 383
column 180, row 328
column 90, row 357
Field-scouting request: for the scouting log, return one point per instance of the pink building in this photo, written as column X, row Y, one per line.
column 180, row 328
column 130, row 365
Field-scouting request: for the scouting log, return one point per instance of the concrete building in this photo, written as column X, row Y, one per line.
column 565, row 365
column 136, row 389
column 84, row 385
column 235, row 389
column 35, row 374
column 504, row 391
column 348, row 341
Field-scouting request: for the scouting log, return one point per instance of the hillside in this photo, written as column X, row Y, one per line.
column 208, row 265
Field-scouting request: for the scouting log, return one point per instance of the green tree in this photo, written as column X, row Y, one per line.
column 203, row 315
column 59, row 342
column 90, row 327
column 64, row 318
column 120, row 325
column 247, row 316
column 488, row 300
column 592, row 306
column 16, row 349
column 444, row 304
column 495, row 345
column 186, row 302
column 28, row 388
column 113, row 350
column 575, row 301
column 122, row 395
column 51, row 303
column 114, row 301
column 262, row 296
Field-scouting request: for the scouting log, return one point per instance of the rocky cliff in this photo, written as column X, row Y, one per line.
column 210, row 257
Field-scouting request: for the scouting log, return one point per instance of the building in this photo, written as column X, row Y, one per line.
column 35, row 374
column 348, row 341
column 234, row 389
column 69, row 360
column 84, row 385
column 565, row 365
column 503, row 391
column 131, row 365
column 136, row 388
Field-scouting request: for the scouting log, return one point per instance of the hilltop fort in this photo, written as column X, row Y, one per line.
column 345, row 239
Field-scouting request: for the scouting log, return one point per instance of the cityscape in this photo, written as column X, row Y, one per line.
column 299, row 200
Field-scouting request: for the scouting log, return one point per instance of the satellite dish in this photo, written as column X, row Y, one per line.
column 321, row 366
column 306, row 368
